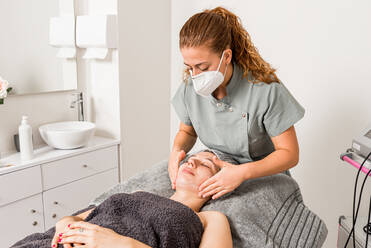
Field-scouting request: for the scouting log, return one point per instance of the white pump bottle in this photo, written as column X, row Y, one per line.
column 25, row 140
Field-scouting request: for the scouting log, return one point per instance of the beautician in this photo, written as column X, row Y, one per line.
column 232, row 100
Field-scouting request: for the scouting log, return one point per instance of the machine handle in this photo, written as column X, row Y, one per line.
column 355, row 164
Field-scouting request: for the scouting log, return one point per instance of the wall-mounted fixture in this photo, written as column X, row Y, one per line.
column 97, row 34
column 62, row 35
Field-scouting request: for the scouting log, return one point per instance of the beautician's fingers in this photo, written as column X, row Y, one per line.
column 180, row 156
column 175, row 175
column 212, row 192
column 208, row 182
column 219, row 194
column 208, row 189
column 220, row 163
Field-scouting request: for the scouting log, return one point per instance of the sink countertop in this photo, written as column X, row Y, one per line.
column 47, row 154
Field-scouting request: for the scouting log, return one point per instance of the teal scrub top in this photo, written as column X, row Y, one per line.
column 243, row 122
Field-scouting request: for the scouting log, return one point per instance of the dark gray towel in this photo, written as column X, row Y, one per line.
column 154, row 220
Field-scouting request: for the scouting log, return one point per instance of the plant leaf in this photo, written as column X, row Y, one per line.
column 2, row 101
column 9, row 89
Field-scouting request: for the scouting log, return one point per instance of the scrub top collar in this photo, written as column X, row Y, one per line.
column 235, row 79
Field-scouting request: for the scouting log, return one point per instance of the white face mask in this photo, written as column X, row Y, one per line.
column 206, row 82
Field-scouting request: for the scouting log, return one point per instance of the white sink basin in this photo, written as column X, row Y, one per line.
column 67, row 135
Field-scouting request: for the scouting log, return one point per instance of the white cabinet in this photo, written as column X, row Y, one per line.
column 19, row 184
column 21, row 218
column 70, row 169
column 69, row 198
column 34, row 196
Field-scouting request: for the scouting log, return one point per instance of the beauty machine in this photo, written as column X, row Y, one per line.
column 350, row 233
column 361, row 147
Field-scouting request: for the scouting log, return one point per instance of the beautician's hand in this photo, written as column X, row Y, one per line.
column 62, row 226
column 93, row 236
column 226, row 180
column 173, row 165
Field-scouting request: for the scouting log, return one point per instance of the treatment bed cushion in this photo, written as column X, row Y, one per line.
column 263, row 212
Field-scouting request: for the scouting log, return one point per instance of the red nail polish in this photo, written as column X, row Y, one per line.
column 54, row 245
column 60, row 234
column 59, row 240
column 69, row 225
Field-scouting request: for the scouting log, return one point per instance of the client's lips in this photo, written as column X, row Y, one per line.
column 188, row 171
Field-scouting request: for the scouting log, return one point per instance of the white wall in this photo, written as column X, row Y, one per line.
column 144, row 74
column 40, row 108
column 129, row 102
column 128, row 92
column 322, row 51
column 98, row 79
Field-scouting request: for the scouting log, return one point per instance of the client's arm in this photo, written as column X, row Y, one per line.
column 217, row 233
column 96, row 236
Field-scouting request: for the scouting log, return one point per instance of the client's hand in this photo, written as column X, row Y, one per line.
column 173, row 165
column 62, row 226
column 226, row 180
column 94, row 236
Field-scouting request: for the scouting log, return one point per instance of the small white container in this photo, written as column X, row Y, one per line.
column 25, row 140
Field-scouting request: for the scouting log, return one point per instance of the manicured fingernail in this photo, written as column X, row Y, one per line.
column 60, row 234
column 69, row 225
column 59, row 240
column 54, row 245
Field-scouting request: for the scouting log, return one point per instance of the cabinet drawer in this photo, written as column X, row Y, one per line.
column 71, row 169
column 69, row 198
column 20, row 184
column 20, row 219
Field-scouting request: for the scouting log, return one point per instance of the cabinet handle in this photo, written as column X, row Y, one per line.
column 33, row 211
column 55, row 203
column 54, row 215
column 85, row 165
column 34, row 223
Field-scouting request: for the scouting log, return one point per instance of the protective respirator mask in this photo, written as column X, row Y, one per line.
column 206, row 82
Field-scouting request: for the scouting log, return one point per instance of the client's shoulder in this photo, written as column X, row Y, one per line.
column 212, row 216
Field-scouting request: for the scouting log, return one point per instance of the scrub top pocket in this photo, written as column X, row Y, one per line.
column 226, row 130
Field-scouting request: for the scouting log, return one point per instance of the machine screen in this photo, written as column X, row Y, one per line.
column 368, row 134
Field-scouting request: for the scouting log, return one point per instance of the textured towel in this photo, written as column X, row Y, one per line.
column 263, row 212
column 154, row 220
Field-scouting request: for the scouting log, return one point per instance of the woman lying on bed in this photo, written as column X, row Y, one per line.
column 144, row 219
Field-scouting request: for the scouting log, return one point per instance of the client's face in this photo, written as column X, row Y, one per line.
column 197, row 169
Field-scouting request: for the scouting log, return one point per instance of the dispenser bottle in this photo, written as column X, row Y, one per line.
column 25, row 140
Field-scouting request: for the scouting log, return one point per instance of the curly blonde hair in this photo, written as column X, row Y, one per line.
column 219, row 29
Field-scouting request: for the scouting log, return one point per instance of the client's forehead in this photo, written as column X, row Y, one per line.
column 208, row 156
column 203, row 155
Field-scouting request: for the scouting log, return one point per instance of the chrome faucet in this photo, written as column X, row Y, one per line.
column 80, row 105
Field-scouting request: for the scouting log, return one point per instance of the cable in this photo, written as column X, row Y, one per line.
column 367, row 227
column 359, row 201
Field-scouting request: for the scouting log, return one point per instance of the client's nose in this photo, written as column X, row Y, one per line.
column 193, row 163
